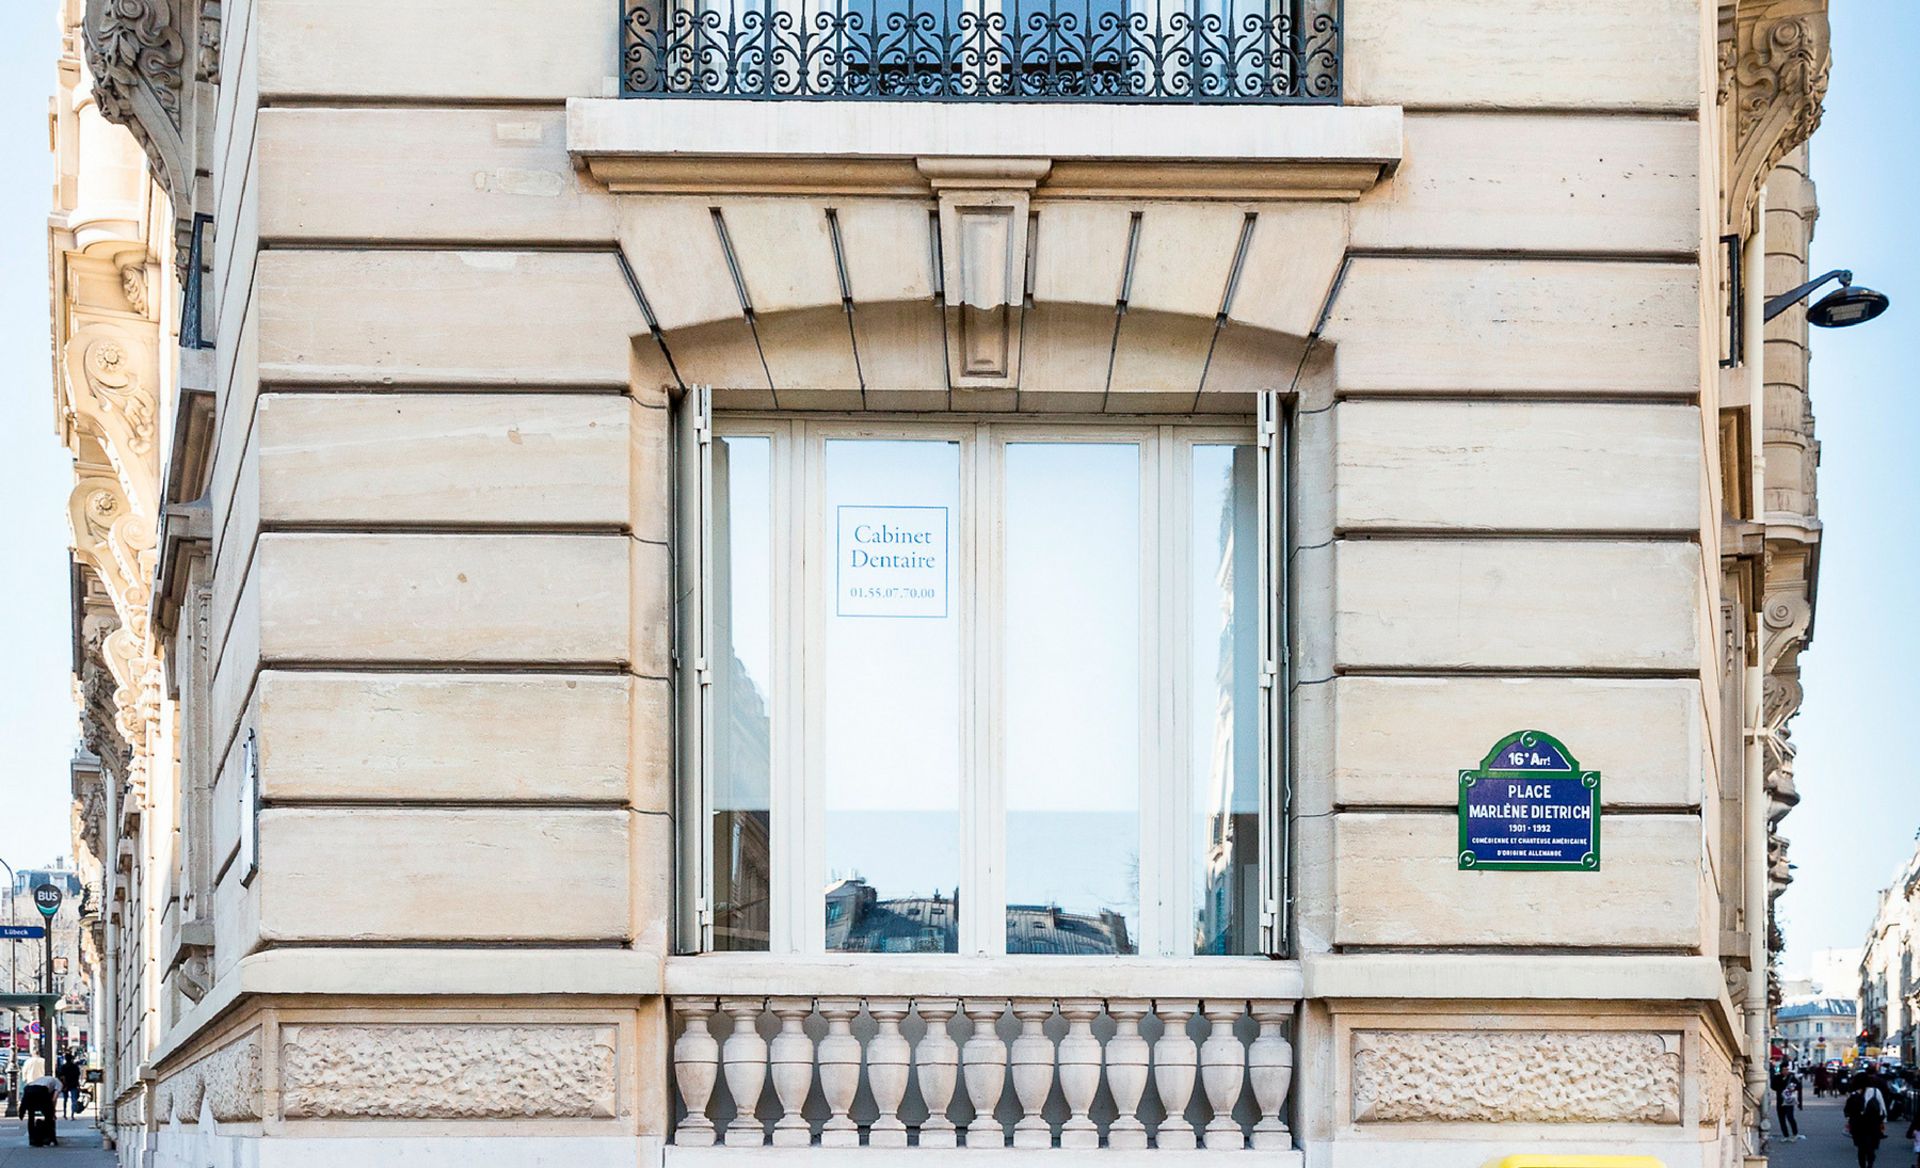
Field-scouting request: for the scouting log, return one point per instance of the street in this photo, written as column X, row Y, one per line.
column 1826, row 1145
column 79, row 1146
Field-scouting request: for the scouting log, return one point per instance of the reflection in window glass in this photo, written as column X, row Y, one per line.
column 1071, row 697
column 742, row 664
column 1225, row 738
column 891, row 696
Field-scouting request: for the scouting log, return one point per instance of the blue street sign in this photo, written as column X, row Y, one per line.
column 22, row 932
column 1529, row 808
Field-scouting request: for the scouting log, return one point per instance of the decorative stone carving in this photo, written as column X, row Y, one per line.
column 206, row 65
column 1774, row 60
column 135, row 52
column 226, row 1081
column 1491, row 1076
column 983, row 262
column 504, row 1071
column 146, row 57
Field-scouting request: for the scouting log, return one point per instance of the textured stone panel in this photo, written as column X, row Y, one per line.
column 228, row 1081
column 1491, row 1076
column 506, row 1071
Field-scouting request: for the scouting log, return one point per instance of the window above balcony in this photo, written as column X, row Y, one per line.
column 1140, row 51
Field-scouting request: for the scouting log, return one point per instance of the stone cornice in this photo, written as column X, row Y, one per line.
column 1774, row 57
column 690, row 145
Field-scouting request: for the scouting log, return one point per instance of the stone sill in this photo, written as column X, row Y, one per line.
column 914, row 975
column 695, row 145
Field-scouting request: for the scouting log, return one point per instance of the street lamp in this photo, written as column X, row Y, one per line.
column 1844, row 306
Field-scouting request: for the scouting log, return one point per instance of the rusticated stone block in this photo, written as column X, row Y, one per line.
column 1522, row 1076
column 228, row 1081
column 502, row 1071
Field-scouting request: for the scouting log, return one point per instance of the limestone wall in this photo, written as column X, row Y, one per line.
column 449, row 321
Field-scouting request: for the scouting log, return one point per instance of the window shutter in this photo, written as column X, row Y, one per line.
column 693, row 738
column 1276, row 772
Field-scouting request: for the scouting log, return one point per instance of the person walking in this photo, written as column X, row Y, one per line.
column 69, row 1075
column 1789, row 1107
column 1866, row 1112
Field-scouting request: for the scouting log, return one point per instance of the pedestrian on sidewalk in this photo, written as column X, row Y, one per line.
column 1789, row 1105
column 1866, row 1112
column 69, row 1076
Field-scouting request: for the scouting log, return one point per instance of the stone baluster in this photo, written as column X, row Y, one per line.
column 1032, row 1072
column 696, row 1065
column 936, row 1064
column 984, row 1067
column 839, row 1056
column 1174, row 1061
column 1079, row 1072
column 791, row 1057
column 1270, row 1066
column 1223, row 1071
column 745, row 1065
column 889, row 1063
column 1127, row 1073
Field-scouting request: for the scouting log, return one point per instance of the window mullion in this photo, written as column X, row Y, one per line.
column 1176, row 784
column 985, row 780
column 807, row 565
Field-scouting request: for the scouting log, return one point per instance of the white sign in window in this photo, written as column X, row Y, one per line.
column 892, row 561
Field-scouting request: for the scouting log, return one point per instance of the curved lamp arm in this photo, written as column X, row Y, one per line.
column 1779, row 304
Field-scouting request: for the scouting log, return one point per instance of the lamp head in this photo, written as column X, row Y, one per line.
column 1850, row 305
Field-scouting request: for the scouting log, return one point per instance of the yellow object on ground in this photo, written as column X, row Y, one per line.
column 1578, row 1162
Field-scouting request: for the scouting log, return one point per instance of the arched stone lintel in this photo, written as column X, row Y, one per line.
column 1077, row 358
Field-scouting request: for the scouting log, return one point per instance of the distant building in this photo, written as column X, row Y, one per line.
column 1889, row 993
column 1815, row 1031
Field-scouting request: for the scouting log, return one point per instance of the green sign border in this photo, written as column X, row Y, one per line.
column 1576, row 774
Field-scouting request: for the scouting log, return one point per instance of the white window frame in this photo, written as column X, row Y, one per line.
column 797, row 806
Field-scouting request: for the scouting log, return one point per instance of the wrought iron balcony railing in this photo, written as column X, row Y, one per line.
column 1211, row 51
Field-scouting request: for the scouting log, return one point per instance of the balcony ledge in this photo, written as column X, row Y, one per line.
column 691, row 145
column 909, row 975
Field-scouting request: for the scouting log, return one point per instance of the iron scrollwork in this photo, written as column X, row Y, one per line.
column 1218, row 51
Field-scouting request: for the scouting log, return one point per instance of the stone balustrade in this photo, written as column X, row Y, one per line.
column 933, row 1070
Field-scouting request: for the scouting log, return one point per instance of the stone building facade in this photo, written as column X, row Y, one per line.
column 1224, row 425
column 1889, row 981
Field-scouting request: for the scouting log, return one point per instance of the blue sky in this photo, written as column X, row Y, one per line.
column 1861, row 807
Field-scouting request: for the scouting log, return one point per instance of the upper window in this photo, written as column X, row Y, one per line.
column 993, row 687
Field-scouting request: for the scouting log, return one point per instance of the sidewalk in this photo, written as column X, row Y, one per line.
column 79, row 1147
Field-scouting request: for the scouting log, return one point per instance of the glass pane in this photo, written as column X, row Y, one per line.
column 1071, row 697
column 1225, row 739
column 891, row 697
column 742, row 616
